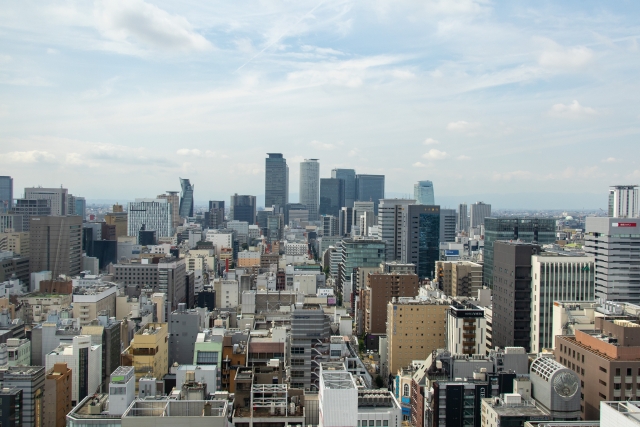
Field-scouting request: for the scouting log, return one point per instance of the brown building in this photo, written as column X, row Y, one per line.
column 119, row 220
column 383, row 287
column 414, row 329
column 459, row 278
column 233, row 358
column 267, row 259
column 57, row 398
column 55, row 244
column 607, row 361
column 108, row 232
column 56, row 287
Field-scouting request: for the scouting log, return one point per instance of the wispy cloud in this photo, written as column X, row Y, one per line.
column 188, row 152
column 434, row 154
column 556, row 56
column 321, row 145
column 431, row 141
column 462, row 126
column 33, row 156
column 573, row 110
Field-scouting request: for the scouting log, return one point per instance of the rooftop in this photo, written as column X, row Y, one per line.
column 177, row 408
column 629, row 409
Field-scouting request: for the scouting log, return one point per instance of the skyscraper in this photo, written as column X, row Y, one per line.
column 423, row 193
column 479, row 211
column 349, row 178
column 463, row 219
column 243, row 208
column 186, row 199
column 370, row 188
column 154, row 214
column 55, row 244
column 81, row 207
column 6, row 193
column 331, row 196
column 390, row 222
column 421, row 238
column 310, row 186
column 57, row 196
column 173, row 198
column 276, row 183
column 214, row 217
column 623, row 201
column 447, row 225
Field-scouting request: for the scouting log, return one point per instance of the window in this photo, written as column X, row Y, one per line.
column 628, row 386
column 603, row 383
column 297, row 350
column 617, row 372
column 207, row 358
column 371, row 423
column 603, row 369
column 628, row 372
column 602, row 396
column 406, row 390
column 378, row 422
column 385, row 423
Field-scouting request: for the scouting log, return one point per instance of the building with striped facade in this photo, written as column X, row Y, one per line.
column 557, row 276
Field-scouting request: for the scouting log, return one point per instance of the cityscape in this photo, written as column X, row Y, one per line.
column 418, row 213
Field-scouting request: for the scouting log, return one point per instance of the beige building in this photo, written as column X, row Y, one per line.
column 36, row 306
column 18, row 243
column 88, row 301
column 119, row 219
column 173, row 198
column 148, row 352
column 249, row 259
column 55, row 244
column 459, row 278
column 414, row 329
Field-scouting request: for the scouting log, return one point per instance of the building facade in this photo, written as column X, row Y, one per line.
column 370, row 188
column 421, row 238
column 186, row 198
column 423, row 193
column 623, row 201
column 153, row 214
column 276, row 183
column 331, row 196
column 243, row 208
column 55, row 244
column 310, row 186
column 348, row 176
column 57, row 197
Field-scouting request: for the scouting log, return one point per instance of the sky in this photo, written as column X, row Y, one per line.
column 117, row 99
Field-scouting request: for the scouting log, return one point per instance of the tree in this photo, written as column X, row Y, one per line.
column 379, row 381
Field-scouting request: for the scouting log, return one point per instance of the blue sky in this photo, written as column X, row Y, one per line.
column 116, row 99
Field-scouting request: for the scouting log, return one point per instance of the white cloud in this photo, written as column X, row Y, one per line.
column 431, row 141
column 463, row 157
column 137, row 22
column 508, row 176
column 210, row 153
column 52, row 51
column 434, row 154
column 321, row 145
column 610, row 160
column 33, row 156
column 574, row 110
column 566, row 58
column 456, row 7
column 419, row 165
column 461, row 126
column 353, row 152
column 188, row 152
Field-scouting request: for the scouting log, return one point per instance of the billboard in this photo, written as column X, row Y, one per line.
column 452, row 252
column 331, row 300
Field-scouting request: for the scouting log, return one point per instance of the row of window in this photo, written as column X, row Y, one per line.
column 371, row 423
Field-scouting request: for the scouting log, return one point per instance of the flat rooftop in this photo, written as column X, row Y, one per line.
column 177, row 408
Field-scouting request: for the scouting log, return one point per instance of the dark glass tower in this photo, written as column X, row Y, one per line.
column 276, row 181
column 421, row 238
column 331, row 196
column 243, row 208
column 186, row 199
column 6, row 193
column 370, row 188
column 349, row 178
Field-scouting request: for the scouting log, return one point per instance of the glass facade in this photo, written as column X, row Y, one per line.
column 428, row 243
column 310, row 186
column 6, row 193
column 370, row 188
column 349, row 178
column 423, row 193
column 331, row 196
column 243, row 208
column 186, row 199
column 276, row 183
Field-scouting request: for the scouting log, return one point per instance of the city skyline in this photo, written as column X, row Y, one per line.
column 475, row 96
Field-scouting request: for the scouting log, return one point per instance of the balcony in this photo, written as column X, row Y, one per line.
column 628, row 380
column 617, row 393
column 617, row 379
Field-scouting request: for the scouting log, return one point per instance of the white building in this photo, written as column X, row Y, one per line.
column 57, row 196
column 228, row 293
column 620, row 414
column 338, row 399
column 304, row 283
column 615, row 244
column 556, row 276
column 623, row 201
column 466, row 329
column 85, row 362
column 219, row 240
column 122, row 389
column 154, row 214
column 295, row 249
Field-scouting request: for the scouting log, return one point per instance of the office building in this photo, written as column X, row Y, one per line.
column 423, row 193
column 458, row 403
column 357, row 253
column 28, row 208
column 331, row 196
column 29, row 379
column 557, row 276
column 57, row 399
column 118, row 220
column 459, row 278
column 615, row 245
column 173, row 198
column 512, row 294
column 214, row 217
column 148, row 352
column 512, row 409
column 276, row 183
column 310, row 333
column 90, row 301
column 623, row 201
column 447, row 225
column 105, row 331
column 348, row 176
column 186, row 198
column 55, row 244
column 153, row 214
column 243, row 208
column 462, row 223
column 415, row 328
column 11, row 407
column 57, row 197
column 16, row 242
column 390, row 222
column 370, row 188
column 466, row 327
column 479, row 211
column 81, row 207
column 526, row 229
column 6, row 193
column 421, row 238
column 359, row 212
column 13, row 223
column 344, row 221
column 84, row 360
column 382, row 288
column 329, row 226
column 310, row 186
column 607, row 360
column 184, row 326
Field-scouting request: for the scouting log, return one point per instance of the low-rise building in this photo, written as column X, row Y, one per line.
column 466, row 329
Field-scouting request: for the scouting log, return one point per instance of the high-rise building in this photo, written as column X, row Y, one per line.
column 11, row 407
column 479, row 211
column 105, row 331
column 421, row 238
column 383, row 287
column 18, row 243
column 81, row 207
column 344, row 221
column 615, row 245
column 329, row 225
column 360, row 209
column 623, row 201
column 459, row 278
column 119, row 220
column 466, row 329
column 6, row 193
column 525, row 229
column 358, row 253
column 463, row 218
column 184, row 327
column 423, row 193
column 310, row 332
column 276, row 183
column 57, row 196
column 512, row 294
column 28, row 208
column 172, row 198
column 447, row 225
column 370, row 188
column 214, row 217
column 29, row 379
column 57, row 400
column 154, row 214
column 155, row 363
column 390, row 222
column 349, row 178
column 557, row 276
column 71, row 204
column 331, row 196
column 55, row 244
column 243, row 208
column 186, row 198
column 310, row 186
